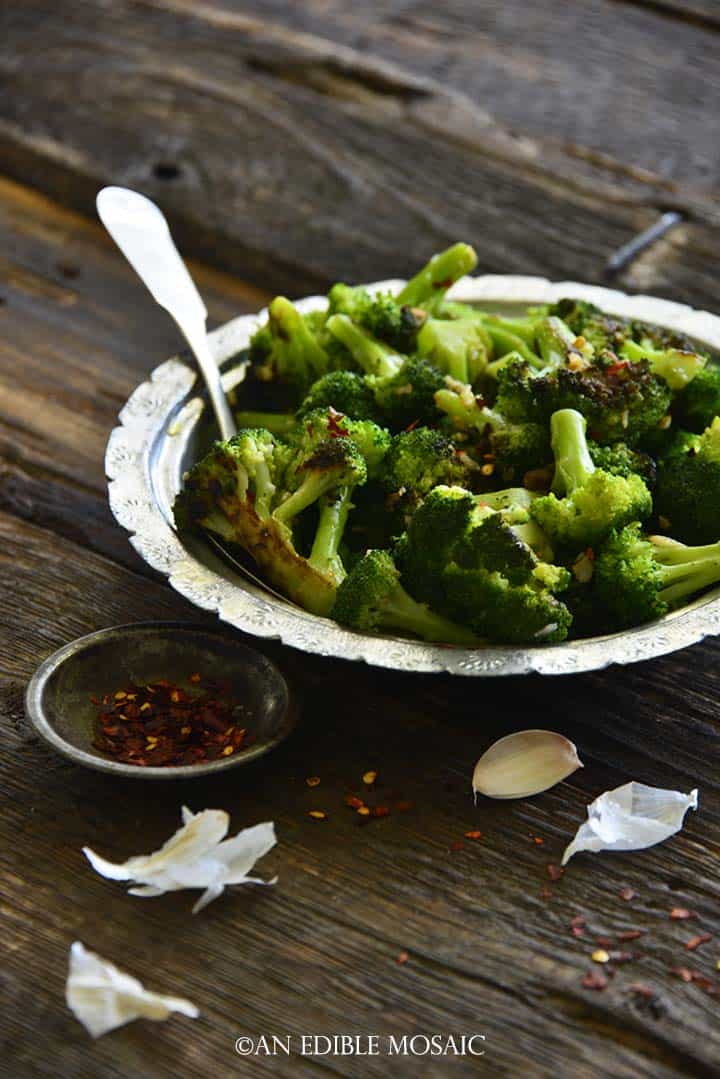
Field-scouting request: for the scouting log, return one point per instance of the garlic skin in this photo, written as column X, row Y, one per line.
column 631, row 817
column 196, row 856
column 525, row 763
column 101, row 997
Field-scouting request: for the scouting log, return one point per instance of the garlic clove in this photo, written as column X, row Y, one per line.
column 525, row 763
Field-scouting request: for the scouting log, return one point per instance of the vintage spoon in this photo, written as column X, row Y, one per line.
column 141, row 232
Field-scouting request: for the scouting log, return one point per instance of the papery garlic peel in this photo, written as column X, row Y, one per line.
column 525, row 763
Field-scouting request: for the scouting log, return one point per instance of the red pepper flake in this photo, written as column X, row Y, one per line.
column 695, row 942
column 627, row 893
column 402, row 959
column 631, row 934
column 604, row 942
column 162, row 725
column 641, row 990
column 594, row 980
column 614, row 369
column 578, row 921
column 380, row 811
column 555, row 872
column 313, row 781
column 680, row 914
column 538, row 840
column 577, row 931
column 546, row 893
column 412, row 426
column 363, row 811
column 457, row 845
column 683, row 972
column 353, row 801
column 334, row 428
column 317, row 814
column 369, row 778
column 473, row 835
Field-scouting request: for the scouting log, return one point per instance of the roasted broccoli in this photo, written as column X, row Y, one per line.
column 415, row 464
column 513, row 448
column 687, row 499
column 231, row 492
column 639, row 578
column 371, row 599
column 586, row 502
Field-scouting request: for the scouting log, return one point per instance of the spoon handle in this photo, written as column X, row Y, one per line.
column 141, row 232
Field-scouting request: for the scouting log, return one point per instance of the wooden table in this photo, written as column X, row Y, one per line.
column 293, row 144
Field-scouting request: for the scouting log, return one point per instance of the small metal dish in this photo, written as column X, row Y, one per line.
column 58, row 702
column 165, row 426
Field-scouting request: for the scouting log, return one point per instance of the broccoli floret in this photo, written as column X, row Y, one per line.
column 372, row 599
column 698, row 404
column 621, row 460
column 231, row 492
column 416, row 462
column 515, row 447
column 621, row 401
column 427, row 288
column 458, row 347
column 675, row 366
column 345, row 391
column 688, row 486
column 404, row 387
column 295, row 356
column 436, row 527
column 317, row 468
column 380, row 314
column 637, row 579
column 591, row 501
column 321, row 424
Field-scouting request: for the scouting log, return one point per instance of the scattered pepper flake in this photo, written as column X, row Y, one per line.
column 195, row 677
column 631, row 934
column 554, row 872
column 594, row 980
column 353, row 801
column 577, row 931
column 369, row 778
column 680, row 914
column 600, row 956
column 627, row 893
column 538, row 840
column 402, row 959
column 380, row 811
column 473, row 835
column 641, row 990
column 317, row 814
column 578, row 921
column 313, row 781
column 363, row 811
column 683, row 972
column 457, row 845
column 604, row 942
column 695, row 942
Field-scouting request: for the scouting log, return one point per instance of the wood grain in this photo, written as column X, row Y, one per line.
column 317, row 179
column 315, row 141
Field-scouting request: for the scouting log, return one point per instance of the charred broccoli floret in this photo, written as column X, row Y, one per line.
column 417, row 461
column 345, row 391
column 621, row 400
column 287, row 349
column 404, row 387
column 231, row 492
column 379, row 314
column 637, row 578
column 586, row 503
column 687, row 498
column 514, row 447
column 677, row 367
column 372, row 599
column 698, row 404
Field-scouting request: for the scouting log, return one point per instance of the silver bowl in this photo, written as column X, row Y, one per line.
column 166, row 420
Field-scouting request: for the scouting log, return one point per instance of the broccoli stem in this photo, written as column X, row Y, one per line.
column 573, row 463
column 686, row 578
column 428, row 287
column 399, row 611
column 328, row 536
column 264, row 488
column 292, row 333
column 554, row 340
column 673, row 365
column 310, row 490
column 277, row 423
column 374, row 357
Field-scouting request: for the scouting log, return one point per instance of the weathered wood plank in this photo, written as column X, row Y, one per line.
column 286, row 181
column 318, row 952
